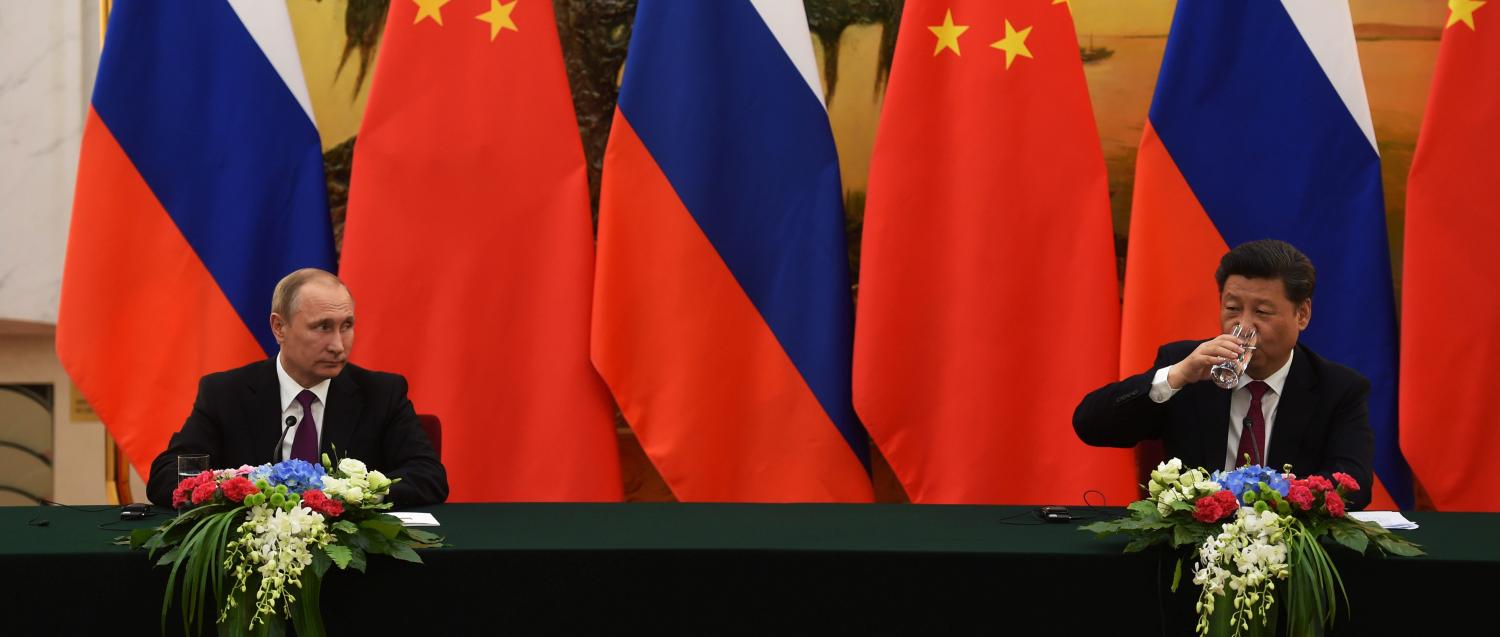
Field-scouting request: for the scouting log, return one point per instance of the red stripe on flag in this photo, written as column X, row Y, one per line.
column 1170, row 292
column 1450, row 336
column 711, row 394
column 988, row 301
column 469, row 253
column 140, row 319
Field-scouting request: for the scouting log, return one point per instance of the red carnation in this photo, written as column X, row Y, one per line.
column 1215, row 507
column 1346, row 481
column 237, row 488
column 317, row 501
column 1319, row 484
column 204, row 492
column 1300, row 495
column 1227, row 502
column 180, row 495
column 1207, row 510
column 1335, row 504
column 183, row 494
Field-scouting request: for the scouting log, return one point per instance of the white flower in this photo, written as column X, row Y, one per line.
column 352, row 467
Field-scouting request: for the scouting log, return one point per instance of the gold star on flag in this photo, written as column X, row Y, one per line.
column 1463, row 10
column 1014, row 43
column 499, row 17
column 430, row 9
column 947, row 35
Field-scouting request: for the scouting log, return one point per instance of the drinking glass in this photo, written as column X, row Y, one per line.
column 1226, row 374
column 191, row 464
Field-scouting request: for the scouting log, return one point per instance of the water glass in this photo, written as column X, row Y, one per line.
column 1226, row 374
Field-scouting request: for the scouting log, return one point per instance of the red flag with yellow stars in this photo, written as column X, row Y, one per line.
column 469, row 251
column 988, row 298
column 1450, row 335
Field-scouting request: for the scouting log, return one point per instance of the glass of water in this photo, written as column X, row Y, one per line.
column 191, row 464
column 1226, row 374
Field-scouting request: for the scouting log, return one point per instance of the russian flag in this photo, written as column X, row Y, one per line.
column 200, row 184
column 722, row 317
column 1260, row 128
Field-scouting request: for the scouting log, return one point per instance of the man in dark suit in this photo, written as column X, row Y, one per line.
column 1291, row 406
column 313, row 398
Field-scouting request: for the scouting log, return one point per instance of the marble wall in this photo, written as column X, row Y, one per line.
column 48, row 54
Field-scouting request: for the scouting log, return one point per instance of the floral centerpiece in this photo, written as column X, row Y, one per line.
column 258, row 540
column 1258, row 535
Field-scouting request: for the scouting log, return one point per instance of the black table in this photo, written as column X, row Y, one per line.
column 742, row 569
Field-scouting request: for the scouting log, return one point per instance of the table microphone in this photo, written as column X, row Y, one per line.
column 1247, row 426
column 290, row 420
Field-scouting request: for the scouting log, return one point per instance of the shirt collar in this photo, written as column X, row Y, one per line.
column 290, row 388
column 1277, row 379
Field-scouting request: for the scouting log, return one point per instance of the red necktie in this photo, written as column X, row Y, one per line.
column 1254, row 437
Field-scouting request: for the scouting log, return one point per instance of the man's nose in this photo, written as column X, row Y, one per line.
column 336, row 344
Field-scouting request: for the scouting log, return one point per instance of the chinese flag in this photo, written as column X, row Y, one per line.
column 1450, row 337
column 988, row 299
column 469, row 251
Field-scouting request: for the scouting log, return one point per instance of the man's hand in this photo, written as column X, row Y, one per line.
column 1197, row 364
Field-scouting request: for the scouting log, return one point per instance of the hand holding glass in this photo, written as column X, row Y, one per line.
column 1226, row 374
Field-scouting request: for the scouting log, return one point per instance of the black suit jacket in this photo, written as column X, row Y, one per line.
column 237, row 416
column 1322, row 420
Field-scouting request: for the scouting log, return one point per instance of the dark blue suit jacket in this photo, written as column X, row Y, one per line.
column 1322, row 420
column 237, row 416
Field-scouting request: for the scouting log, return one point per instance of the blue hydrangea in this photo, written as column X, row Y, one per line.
column 1248, row 478
column 297, row 475
column 262, row 472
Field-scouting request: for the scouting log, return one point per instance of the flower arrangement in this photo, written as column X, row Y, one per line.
column 1254, row 529
column 260, row 539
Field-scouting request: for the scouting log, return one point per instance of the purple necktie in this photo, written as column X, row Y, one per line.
column 1252, row 441
column 305, row 445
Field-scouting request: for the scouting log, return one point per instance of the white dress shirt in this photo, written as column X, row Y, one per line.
column 1239, row 406
column 290, row 407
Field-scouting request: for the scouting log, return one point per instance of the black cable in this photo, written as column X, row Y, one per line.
column 1099, row 511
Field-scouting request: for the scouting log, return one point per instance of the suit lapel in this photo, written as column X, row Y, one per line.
column 1213, row 413
column 341, row 414
column 263, row 408
column 1293, row 411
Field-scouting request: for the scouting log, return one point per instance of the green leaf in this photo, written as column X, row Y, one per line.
column 1144, row 542
column 339, row 554
column 357, row 560
column 1396, row 545
column 1349, row 536
column 1145, row 508
column 307, row 614
column 345, row 526
column 424, row 538
column 170, row 557
column 404, row 553
column 387, row 525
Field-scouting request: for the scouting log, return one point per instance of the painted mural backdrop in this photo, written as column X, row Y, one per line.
column 1121, row 42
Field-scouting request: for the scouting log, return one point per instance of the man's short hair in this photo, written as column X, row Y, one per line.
column 284, row 299
column 1271, row 259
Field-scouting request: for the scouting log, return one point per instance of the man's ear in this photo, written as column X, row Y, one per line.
column 278, row 327
column 1304, row 314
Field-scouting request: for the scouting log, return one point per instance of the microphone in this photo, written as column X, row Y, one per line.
column 290, row 420
column 1247, row 427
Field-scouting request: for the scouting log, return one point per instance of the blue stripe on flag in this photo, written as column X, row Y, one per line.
column 221, row 141
column 747, row 146
column 1270, row 150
